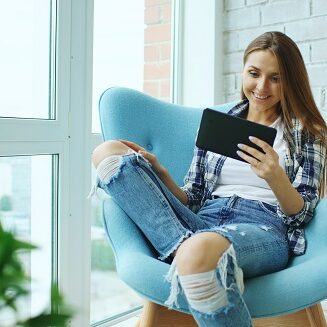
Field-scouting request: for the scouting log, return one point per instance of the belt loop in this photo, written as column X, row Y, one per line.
column 232, row 200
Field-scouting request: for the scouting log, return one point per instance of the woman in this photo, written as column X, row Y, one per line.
column 231, row 219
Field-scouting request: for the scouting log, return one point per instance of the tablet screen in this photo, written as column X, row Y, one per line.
column 220, row 133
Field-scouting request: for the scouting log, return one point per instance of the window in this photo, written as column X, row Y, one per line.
column 36, row 143
column 28, row 213
column 25, row 34
column 131, row 48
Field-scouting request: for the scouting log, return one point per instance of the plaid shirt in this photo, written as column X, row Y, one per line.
column 304, row 164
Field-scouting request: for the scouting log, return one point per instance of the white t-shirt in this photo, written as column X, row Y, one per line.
column 237, row 177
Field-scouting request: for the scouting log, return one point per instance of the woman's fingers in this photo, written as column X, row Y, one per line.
column 157, row 167
column 263, row 164
column 267, row 148
column 258, row 155
column 132, row 145
column 251, row 160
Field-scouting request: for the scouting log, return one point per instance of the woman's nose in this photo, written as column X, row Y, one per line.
column 262, row 84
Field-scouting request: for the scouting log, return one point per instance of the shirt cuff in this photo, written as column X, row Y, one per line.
column 294, row 220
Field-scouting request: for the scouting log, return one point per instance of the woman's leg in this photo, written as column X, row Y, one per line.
column 211, row 280
column 107, row 149
column 210, row 270
column 128, row 178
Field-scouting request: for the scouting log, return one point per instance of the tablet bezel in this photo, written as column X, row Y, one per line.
column 230, row 130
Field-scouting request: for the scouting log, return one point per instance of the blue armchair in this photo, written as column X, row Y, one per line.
column 290, row 297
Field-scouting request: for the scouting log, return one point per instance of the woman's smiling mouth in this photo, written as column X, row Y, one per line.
column 260, row 97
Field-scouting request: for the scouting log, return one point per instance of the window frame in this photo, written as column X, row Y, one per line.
column 68, row 137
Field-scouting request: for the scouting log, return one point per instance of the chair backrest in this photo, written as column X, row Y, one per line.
column 165, row 129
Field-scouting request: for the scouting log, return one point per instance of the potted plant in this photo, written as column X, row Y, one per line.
column 14, row 286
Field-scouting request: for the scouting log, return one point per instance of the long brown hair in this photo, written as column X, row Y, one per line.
column 296, row 96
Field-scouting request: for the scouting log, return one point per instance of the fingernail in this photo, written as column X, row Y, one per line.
column 252, row 138
column 240, row 145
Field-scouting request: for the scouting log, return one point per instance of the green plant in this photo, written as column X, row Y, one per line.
column 14, row 286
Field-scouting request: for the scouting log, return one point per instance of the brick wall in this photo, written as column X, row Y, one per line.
column 305, row 21
column 157, row 46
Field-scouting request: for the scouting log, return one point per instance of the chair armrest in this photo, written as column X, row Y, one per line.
column 288, row 290
column 133, row 252
column 317, row 227
column 305, row 275
column 123, row 234
column 315, row 234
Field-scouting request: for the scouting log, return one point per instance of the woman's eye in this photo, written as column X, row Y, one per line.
column 275, row 79
column 253, row 73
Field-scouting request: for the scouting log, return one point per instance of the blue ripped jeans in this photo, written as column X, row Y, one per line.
column 258, row 236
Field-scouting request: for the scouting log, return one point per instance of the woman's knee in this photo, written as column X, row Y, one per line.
column 106, row 149
column 200, row 253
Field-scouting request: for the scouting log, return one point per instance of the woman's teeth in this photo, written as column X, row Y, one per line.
column 260, row 96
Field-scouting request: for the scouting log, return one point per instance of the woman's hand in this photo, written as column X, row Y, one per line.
column 265, row 165
column 156, row 166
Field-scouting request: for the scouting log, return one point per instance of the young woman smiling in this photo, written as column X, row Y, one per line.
column 231, row 219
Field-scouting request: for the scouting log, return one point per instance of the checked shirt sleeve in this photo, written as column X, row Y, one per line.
column 307, row 182
column 194, row 180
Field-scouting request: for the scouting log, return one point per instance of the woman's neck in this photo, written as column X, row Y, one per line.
column 264, row 118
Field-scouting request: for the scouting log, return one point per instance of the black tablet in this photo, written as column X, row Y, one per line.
column 220, row 133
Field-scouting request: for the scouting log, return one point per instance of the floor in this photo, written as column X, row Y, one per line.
column 128, row 323
column 132, row 321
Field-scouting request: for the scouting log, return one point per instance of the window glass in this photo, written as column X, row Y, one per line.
column 132, row 48
column 25, row 35
column 26, row 206
column 118, row 48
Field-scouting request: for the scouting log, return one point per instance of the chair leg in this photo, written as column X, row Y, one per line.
column 149, row 313
column 309, row 317
column 316, row 316
column 155, row 315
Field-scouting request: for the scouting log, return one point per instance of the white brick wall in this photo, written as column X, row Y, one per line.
column 233, row 4
column 305, row 21
column 286, row 11
column 319, row 7
column 235, row 18
column 318, row 50
column 307, row 29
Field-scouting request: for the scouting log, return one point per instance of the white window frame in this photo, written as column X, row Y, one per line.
column 69, row 137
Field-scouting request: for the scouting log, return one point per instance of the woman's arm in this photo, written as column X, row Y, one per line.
column 160, row 170
column 296, row 202
column 266, row 165
column 172, row 186
column 289, row 199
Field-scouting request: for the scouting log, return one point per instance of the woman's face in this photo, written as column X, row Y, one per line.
column 261, row 82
